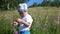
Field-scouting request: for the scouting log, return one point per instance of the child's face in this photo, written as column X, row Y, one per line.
column 21, row 13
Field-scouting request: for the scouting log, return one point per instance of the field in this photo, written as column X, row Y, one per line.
column 46, row 20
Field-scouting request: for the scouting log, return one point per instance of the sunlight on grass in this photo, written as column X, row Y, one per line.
column 45, row 20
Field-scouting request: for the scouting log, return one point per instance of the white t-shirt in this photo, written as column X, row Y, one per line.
column 28, row 19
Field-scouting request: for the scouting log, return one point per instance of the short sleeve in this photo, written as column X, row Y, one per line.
column 29, row 19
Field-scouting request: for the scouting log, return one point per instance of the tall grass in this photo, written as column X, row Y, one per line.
column 46, row 20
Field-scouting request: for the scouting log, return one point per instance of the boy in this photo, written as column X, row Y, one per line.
column 25, row 21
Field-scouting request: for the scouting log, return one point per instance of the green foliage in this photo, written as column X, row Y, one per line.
column 14, row 3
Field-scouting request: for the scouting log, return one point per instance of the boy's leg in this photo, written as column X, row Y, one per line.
column 25, row 32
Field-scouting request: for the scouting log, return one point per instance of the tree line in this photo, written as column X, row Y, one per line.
column 13, row 4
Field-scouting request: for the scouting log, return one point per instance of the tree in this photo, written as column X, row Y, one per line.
column 8, row 4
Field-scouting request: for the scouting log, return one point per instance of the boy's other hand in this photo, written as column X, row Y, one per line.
column 15, row 23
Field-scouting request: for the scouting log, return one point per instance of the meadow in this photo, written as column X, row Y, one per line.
column 46, row 20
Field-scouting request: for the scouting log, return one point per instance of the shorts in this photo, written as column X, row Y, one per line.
column 25, row 32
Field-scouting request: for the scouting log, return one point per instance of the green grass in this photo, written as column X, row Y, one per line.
column 45, row 20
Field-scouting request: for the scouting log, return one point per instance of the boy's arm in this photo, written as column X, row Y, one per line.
column 22, row 21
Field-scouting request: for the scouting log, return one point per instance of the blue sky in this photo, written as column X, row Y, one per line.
column 31, row 2
column 52, row 0
column 59, row 0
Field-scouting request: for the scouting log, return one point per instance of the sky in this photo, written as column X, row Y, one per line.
column 31, row 2
column 59, row 0
column 51, row 0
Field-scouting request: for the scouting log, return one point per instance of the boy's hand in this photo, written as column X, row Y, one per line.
column 15, row 23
